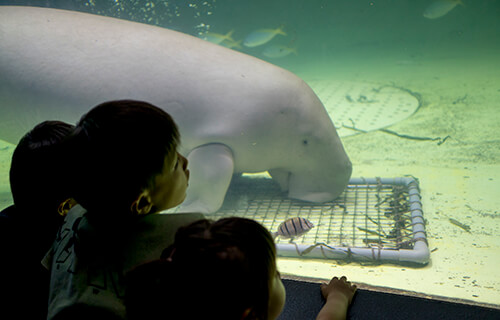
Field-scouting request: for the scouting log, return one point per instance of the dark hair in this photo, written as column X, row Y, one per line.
column 37, row 175
column 120, row 146
column 214, row 270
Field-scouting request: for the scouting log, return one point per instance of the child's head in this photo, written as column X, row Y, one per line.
column 214, row 270
column 38, row 180
column 126, row 161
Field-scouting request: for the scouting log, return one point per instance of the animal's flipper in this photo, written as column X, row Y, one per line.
column 211, row 168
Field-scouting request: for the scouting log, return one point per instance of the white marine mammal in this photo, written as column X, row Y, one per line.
column 235, row 113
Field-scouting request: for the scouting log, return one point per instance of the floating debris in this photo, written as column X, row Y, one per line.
column 371, row 232
column 460, row 224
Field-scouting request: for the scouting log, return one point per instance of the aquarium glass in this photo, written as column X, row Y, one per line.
column 413, row 90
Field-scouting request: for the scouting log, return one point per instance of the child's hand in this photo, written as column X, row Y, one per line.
column 339, row 289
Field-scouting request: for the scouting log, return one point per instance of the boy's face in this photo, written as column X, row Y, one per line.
column 170, row 185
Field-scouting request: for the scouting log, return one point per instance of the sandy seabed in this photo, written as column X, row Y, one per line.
column 459, row 90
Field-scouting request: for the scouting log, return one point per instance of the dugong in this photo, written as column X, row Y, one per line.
column 235, row 113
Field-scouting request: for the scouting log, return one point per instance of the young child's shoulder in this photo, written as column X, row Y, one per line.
column 82, row 255
column 153, row 233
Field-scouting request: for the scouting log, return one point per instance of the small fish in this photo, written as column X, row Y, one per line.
column 439, row 8
column 259, row 37
column 278, row 51
column 293, row 227
column 217, row 38
column 231, row 44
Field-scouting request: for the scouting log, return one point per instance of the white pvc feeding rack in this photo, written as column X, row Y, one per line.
column 375, row 220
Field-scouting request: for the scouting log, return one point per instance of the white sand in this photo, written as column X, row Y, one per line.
column 459, row 179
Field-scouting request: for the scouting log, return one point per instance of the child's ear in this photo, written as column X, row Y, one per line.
column 246, row 313
column 143, row 204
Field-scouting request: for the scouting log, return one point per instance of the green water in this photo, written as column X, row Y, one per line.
column 452, row 62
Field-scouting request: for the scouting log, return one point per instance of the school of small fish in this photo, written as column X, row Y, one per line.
column 254, row 39
column 293, row 227
column 260, row 37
